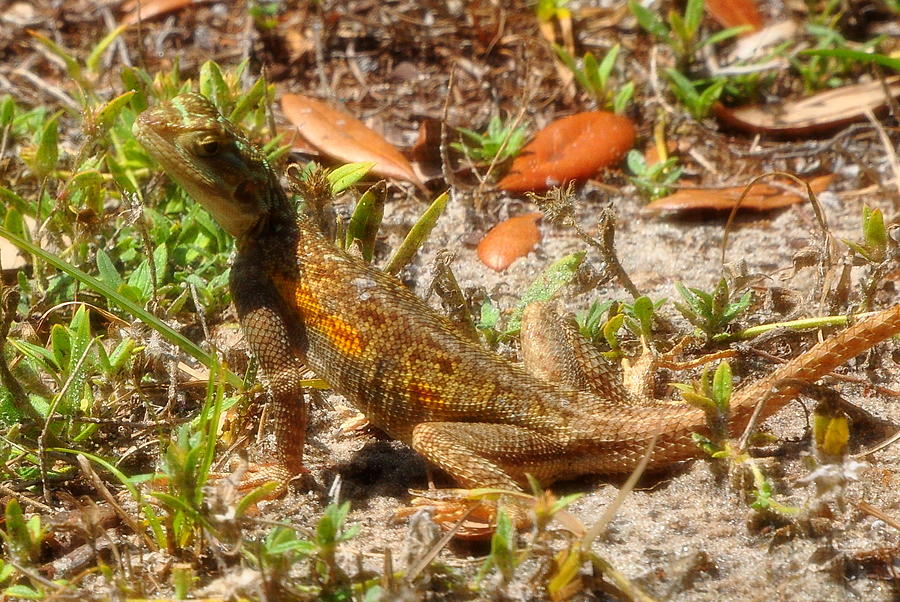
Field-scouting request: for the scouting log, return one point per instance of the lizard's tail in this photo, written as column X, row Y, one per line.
column 812, row 365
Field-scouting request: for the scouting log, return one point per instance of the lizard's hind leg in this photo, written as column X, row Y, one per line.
column 553, row 349
column 483, row 455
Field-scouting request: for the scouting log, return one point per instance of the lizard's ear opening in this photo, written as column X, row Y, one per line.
column 247, row 193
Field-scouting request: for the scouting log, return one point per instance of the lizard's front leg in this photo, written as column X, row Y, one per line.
column 274, row 341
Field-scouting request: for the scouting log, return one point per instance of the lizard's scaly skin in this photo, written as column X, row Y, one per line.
column 484, row 420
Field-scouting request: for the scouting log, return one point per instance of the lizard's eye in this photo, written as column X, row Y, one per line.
column 207, row 147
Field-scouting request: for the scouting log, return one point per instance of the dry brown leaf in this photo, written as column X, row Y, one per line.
column 818, row 113
column 148, row 10
column 732, row 13
column 761, row 197
column 571, row 148
column 509, row 240
column 345, row 138
column 297, row 143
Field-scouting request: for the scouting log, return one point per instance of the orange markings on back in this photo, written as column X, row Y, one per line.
column 341, row 333
column 425, row 393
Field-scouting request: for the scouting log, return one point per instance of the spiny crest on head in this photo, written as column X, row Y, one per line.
column 197, row 112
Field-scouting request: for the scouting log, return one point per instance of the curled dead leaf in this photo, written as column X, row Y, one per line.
column 509, row 240
column 732, row 13
column 761, row 197
column 571, row 148
column 345, row 138
column 815, row 114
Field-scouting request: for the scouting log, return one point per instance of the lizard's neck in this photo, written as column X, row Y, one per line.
column 277, row 224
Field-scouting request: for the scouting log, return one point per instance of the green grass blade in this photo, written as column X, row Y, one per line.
column 856, row 55
column 417, row 235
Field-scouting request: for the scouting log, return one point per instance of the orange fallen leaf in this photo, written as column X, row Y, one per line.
column 297, row 143
column 732, row 13
column 818, row 113
column 509, row 240
column 571, row 148
column 145, row 11
column 761, row 197
column 345, row 138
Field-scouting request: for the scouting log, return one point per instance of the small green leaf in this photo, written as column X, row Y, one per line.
column 7, row 111
column 140, row 280
column 47, row 154
column 725, row 34
column 61, row 345
column 736, row 308
column 648, row 20
column 594, row 78
column 503, row 545
column 722, row 386
column 260, row 493
column 706, row 445
column 636, row 162
column 606, row 65
column 108, row 114
column 93, row 59
column 38, row 354
column 610, row 329
column 874, row 233
column 417, row 234
column 623, row 97
column 24, row 592
column 719, row 301
column 138, row 81
column 345, row 176
column 107, row 272
column 683, row 87
column 489, row 316
column 247, row 101
column 366, row 220
column 121, row 354
column 693, row 15
column 20, row 539
column 6, row 571
column 212, row 84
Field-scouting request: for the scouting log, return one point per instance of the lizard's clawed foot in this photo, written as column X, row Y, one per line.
column 472, row 512
column 251, row 476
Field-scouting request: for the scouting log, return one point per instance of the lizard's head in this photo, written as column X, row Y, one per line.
column 211, row 159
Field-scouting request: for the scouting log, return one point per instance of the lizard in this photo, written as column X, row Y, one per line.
column 484, row 420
